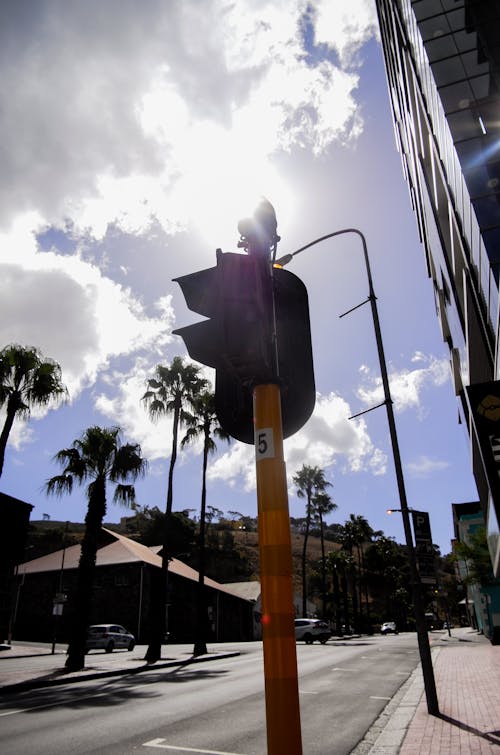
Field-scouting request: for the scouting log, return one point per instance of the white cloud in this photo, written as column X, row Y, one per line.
column 70, row 310
column 425, row 467
column 328, row 439
column 345, row 27
column 132, row 117
column 406, row 386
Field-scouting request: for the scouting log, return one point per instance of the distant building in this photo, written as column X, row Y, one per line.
column 443, row 69
column 481, row 601
column 252, row 591
column 121, row 595
column 15, row 516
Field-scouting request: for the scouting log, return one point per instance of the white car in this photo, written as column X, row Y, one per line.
column 109, row 637
column 312, row 629
column 388, row 627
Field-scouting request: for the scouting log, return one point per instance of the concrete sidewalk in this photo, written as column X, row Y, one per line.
column 467, row 674
column 466, row 669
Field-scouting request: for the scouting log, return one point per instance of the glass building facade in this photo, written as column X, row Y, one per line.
column 443, row 70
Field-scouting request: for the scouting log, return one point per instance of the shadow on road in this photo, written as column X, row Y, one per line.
column 112, row 691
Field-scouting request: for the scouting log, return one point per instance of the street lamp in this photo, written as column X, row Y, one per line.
column 423, row 638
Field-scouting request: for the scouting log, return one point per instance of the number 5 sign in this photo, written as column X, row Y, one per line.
column 264, row 444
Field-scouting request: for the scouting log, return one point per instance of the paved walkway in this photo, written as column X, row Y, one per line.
column 466, row 669
column 467, row 674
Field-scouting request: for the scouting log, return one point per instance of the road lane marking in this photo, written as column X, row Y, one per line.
column 376, row 697
column 160, row 743
column 306, row 692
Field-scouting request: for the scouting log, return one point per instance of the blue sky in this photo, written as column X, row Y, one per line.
column 129, row 153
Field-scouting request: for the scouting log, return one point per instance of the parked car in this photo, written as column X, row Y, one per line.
column 312, row 629
column 388, row 627
column 109, row 637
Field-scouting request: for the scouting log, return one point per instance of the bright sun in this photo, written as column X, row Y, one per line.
column 223, row 182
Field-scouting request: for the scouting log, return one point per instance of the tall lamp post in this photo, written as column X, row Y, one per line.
column 423, row 638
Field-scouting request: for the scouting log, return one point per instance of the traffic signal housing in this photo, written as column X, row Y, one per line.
column 258, row 332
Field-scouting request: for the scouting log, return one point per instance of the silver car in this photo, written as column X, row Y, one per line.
column 108, row 637
column 312, row 629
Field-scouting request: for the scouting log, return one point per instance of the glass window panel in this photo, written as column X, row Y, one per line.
column 465, row 41
column 456, row 96
column 471, row 65
column 482, row 179
column 434, row 27
column 442, row 47
column 480, row 86
column 464, row 125
column 492, row 243
column 425, row 8
column 487, row 210
column 452, row 4
column 456, row 19
column 447, row 71
column 470, row 152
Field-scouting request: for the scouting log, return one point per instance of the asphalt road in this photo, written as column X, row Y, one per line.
column 216, row 707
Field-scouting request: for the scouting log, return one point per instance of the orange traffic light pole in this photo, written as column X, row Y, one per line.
column 278, row 629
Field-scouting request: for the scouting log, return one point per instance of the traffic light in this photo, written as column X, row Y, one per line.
column 243, row 301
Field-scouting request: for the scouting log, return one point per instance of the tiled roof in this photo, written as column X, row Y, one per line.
column 247, row 590
column 122, row 551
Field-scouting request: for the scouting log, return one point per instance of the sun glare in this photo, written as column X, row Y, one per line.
column 222, row 180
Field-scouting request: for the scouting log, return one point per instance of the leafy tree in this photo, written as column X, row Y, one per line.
column 148, row 526
column 323, row 505
column 339, row 564
column 476, row 555
column 387, row 570
column 168, row 392
column 27, row 380
column 357, row 532
column 202, row 422
column 98, row 457
column 310, row 481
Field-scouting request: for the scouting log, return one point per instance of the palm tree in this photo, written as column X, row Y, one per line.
column 338, row 563
column 361, row 532
column 202, row 423
column 27, row 379
column 98, row 457
column 309, row 481
column 168, row 391
column 323, row 505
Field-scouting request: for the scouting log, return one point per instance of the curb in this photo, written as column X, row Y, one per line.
column 44, row 682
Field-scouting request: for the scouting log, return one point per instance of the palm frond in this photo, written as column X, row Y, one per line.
column 124, row 494
column 59, row 485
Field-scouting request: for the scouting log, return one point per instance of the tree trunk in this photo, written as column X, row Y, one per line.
column 4, row 435
column 347, row 620
column 304, row 555
column 82, row 597
column 336, row 599
column 159, row 582
column 323, row 565
column 200, row 646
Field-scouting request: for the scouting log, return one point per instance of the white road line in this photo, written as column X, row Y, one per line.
column 337, row 668
column 160, row 743
column 376, row 697
column 305, row 692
